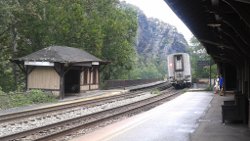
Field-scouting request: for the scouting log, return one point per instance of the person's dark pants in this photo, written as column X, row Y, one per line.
column 221, row 90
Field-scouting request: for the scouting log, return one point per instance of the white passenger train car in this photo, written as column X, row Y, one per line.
column 179, row 70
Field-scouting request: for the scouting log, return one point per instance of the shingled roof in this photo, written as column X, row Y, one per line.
column 60, row 54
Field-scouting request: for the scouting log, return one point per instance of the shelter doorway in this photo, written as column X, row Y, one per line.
column 72, row 81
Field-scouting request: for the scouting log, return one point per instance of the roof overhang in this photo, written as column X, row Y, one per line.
column 222, row 26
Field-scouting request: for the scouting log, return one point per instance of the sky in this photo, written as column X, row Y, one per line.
column 160, row 10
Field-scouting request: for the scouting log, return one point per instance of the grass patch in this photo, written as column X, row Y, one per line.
column 38, row 96
column 17, row 99
column 155, row 91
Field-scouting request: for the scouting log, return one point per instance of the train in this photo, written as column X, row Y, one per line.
column 179, row 70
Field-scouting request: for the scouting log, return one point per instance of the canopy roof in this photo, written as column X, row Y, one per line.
column 222, row 26
column 60, row 54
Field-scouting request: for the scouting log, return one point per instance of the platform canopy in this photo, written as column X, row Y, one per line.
column 222, row 26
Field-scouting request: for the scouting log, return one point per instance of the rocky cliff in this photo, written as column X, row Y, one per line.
column 156, row 38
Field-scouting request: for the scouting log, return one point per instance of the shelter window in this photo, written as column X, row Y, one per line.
column 86, row 76
column 94, row 75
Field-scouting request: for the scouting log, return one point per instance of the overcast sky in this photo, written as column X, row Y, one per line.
column 159, row 9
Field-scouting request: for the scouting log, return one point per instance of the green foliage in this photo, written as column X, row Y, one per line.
column 14, row 99
column 4, row 100
column 38, row 96
column 198, row 53
column 1, row 91
column 119, row 41
column 155, row 91
column 145, row 71
column 103, row 28
column 17, row 100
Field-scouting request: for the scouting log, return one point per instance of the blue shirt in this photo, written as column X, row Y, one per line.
column 221, row 81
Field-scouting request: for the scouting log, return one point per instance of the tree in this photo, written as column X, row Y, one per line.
column 198, row 53
column 8, row 43
column 102, row 28
column 120, row 31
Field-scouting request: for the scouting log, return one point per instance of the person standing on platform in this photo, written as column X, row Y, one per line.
column 221, row 81
column 216, row 86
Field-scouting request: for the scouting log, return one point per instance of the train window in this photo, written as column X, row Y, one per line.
column 178, row 57
column 178, row 63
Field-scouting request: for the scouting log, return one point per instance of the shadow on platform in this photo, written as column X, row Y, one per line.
column 211, row 127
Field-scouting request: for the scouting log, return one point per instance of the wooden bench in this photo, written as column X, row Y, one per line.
column 235, row 110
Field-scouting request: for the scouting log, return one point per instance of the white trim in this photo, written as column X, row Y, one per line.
column 34, row 63
column 95, row 63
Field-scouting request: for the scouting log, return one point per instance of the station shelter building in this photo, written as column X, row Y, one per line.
column 62, row 70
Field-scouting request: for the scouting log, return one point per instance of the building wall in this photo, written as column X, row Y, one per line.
column 84, row 88
column 87, row 82
column 56, row 93
column 94, row 87
column 248, row 88
column 84, row 80
column 97, row 76
column 243, row 84
column 94, row 75
column 249, row 113
column 44, row 78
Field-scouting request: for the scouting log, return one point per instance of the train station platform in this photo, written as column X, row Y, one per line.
column 193, row 116
column 211, row 127
column 98, row 93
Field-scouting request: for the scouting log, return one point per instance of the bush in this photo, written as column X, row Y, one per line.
column 14, row 99
column 1, row 91
column 17, row 100
column 38, row 96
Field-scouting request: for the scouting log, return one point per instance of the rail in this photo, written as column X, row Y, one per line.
column 74, row 124
column 111, row 84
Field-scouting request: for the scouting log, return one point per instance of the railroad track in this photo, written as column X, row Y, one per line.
column 59, row 129
column 58, row 108
column 62, row 106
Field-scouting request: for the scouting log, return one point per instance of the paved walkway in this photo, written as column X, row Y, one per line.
column 193, row 116
column 211, row 127
column 172, row 121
